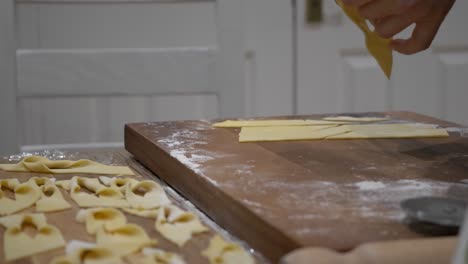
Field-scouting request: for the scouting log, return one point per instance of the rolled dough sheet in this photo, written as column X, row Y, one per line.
column 44, row 165
column 285, row 133
column 269, row 123
column 377, row 46
column 391, row 131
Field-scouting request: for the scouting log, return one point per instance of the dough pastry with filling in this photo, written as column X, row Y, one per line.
column 146, row 213
column 26, row 194
column 18, row 244
column 158, row 256
column 90, row 255
column 51, row 199
column 146, row 195
column 117, row 183
column 89, row 192
column 125, row 239
column 221, row 252
column 96, row 218
column 177, row 225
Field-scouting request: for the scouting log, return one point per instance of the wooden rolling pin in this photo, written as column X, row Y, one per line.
column 414, row 251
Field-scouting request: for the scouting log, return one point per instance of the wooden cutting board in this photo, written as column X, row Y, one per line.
column 279, row 196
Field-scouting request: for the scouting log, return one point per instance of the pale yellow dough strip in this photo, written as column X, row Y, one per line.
column 377, row 46
column 220, row 251
column 355, row 119
column 44, row 165
column 391, row 131
column 278, row 122
column 286, row 133
column 363, row 131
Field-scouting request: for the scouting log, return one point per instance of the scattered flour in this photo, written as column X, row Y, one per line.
column 369, row 185
column 462, row 131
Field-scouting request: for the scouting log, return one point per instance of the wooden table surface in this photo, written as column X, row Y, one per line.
column 279, row 196
column 72, row 230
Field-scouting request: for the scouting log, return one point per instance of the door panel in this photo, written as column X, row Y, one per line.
column 87, row 68
column 116, row 25
column 65, row 120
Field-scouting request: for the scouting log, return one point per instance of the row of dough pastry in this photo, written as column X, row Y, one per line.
column 115, row 239
column 142, row 198
column 114, row 236
column 40, row 191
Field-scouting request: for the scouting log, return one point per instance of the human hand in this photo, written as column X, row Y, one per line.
column 390, row 17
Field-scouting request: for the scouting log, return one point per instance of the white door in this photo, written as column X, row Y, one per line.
column 84, row 68
column 336, row 74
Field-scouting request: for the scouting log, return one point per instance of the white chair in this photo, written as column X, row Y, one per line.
column 72, row 97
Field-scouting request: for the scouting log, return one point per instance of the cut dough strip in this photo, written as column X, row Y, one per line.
column 44, row 165
column 378, row 47
column 285, row 133
column 391, row 131
column 355, row 119
column 363, row 131
column 270, row 123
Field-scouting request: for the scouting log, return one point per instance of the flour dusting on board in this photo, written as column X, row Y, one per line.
column 186, row 145
column 369, row 185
